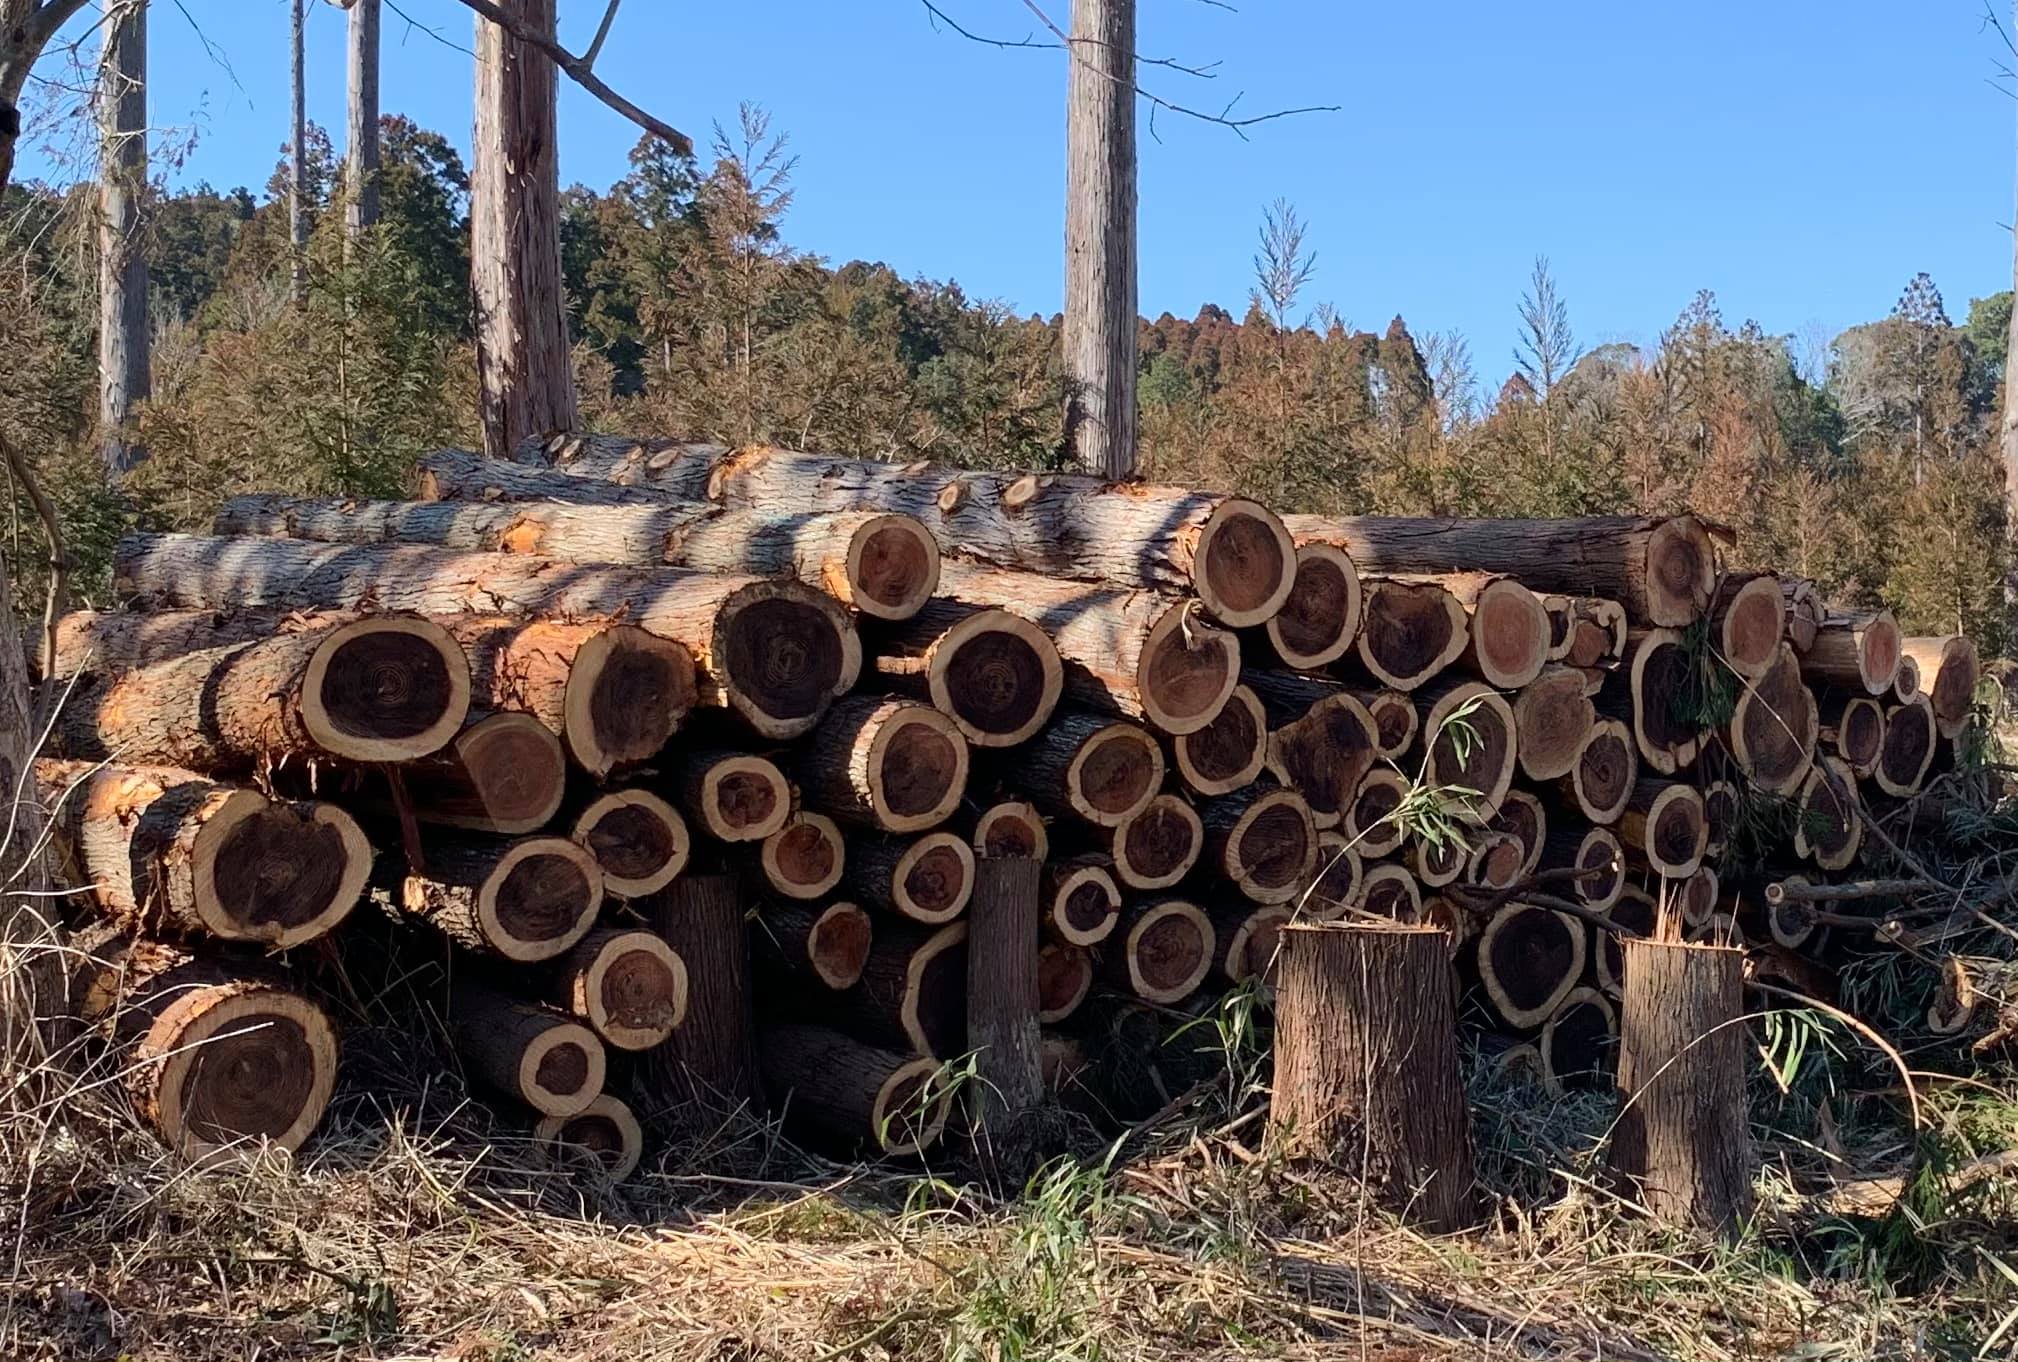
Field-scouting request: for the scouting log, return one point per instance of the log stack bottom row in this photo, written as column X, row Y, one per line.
column 684, row 759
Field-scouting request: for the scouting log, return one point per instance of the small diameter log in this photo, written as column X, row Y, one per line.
column 529, row 899
column 1651, row 693
column 1081, row 902
column 1395, row 723
column 1261, row 841
column 1664, row 821
column 1634, row 914
column 1128, row 653
column 1091, row 767
column 603, row 1137
column 996, row 675
column 732, row 796
column 1579, row 1041
column 1683, row 1141
column 1853, row 728
column 1605, row 771
column 805, row 858
column 640, row 841
column 1507, row 637
column 502, row 774
column 1805, row 612
column 1010, row 829
column 838, row 1089
column 168, row 852
column 1412, row 630
column 1774, row 727
column 1335, row 884
column 709, row 1061
column 1587, row 633
column 1906, row 684
column 1529, row 959
column 1158, row 846
column 926, row 879
column 1722, row 929
column 1390, row 891
column 1437, row 862
column 1949, row 670
column 1371, row 825
column 1227, row 753
column 1457, row 924
column 1495, row 861
column 1064, row 978
column 1318, row 623
column 1748, row 622
column 1552, row 716
column 827, row 945
column 1855, row 652
column 1911, row 735
column 1575, row 845
column 1469, row 729
column 1522, row 816
column 1366, row 1066
column 540, row 1057
column 1003, row 1000
column 912, row 993
column 1163, row 951
column 1720, row 817
column 894, row 765
column 458, row 475
column 626, row 984
column 1247, row 942
column 1695, row 896
column 380, row 689
column 1827, row 828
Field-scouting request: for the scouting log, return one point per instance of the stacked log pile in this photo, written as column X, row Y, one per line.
column 521, row 714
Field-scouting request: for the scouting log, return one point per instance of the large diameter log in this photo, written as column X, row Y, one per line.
column 1133, row 653
column 503, row 773
column 1323, row 754
column 894, row 765
column 1158, row 846
column 994, row 674
column 1859, row 652
column 1003, row 999
column 927, row 879
column 827, row 945
column 1318, row 623
column 1087, row 766
column 167, row 851
column 710, row 1059
column 1663, row 571
column 1227, row 753
column 1246, row 941
column 1595, row 853
column 638, row 840
column 1373, row 825
column 1470, row 733
column 1390, row 891
column 1507, row 634
column 777, row 652
column 102, row 641
column 1579, row 1041
column 1163, row 950
column 732, row 796
column 603, row 1136
column 1262, row 841
column 1011, row 828
column 1853, row 728
column 1828, row 826
column 1412, row 630
column 1529, row 959
column 1949, row 670
column 1655, row 692
column 1606, row 769
column 805, row 858
column 550, row 1062
column 1552, row 715
column 1334, row 886
column 1911, row 734
column 529, row 899
column 1080, row 901
column 384, row 689
column 1748, row 621
column 1683, row 1141
column 837, row 1089
column 627, row 984
column 1064, row 978
column 1775, row 726
column 912, row 993
column 1665, row 822
column 1366, row 1066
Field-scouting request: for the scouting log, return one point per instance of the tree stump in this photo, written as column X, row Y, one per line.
column 710, row 1059
column 1002, row 1006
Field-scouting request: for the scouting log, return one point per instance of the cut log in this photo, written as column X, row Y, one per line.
column 1319, row 621
column 1246, row 941
column 1605, row 770
column 603, row 1137
column 502, row 774
column 1635, row 914
column 1495, row 861
column 1522, row 817
column 1366, row 1066
column 540, row 1057
column 1158, row 846
column 1262, row 842
column 1529, row 959
column 459, row 475
column 926, row 879
column 102, row 641
column 382, row 689
column 1323, row 753
column 1395, row 722
column 1131, row 653
column 1827, row 828
column 168, row 852
column 1853, row 728
column 1575, row 845
column 1587, row 633
column 1162, row 952
column 527, row 899
column 707, row 1068
column 1552, row 716
column 1469, row 730
column 626, row 984
column 894, row 765
column 1663, row 571
column 1683, row 1141
column 1579, row 1041
column 1748, row 622
column 1665, row 823
column 1064, row 978
column 1335, row 885
column 1227, row 753
column 778, row 652
column 1457, row 924
column 1805, row 610
column 1507, row 630
column 805, row 858
column 994, row 674
column 1911, row 733
column 1088, row 766
column 1412, row 630
column 1655, row 692
column 912, row 993
column 1949, row 670
column 827, row 945
column 1012, row 828
column 1373, row 824
column 1003, row 998
column 640, row 842
column 1437, row 861
column 1774, row 727
column 1855, row 652
column 1390, row 891
column 840, row 1090
column 1906, row 684
column 1720, row 817
column 732, row 796
column 1081, row 902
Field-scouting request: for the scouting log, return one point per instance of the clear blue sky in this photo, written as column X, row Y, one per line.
column 1801, row 157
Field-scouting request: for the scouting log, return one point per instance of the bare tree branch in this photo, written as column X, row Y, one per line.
column 47, row 17
column 595, row 47
column 1995, row 22
column 1169, row 63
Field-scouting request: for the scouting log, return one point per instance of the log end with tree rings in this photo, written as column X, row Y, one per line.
column 892, row 567
column 1955, row 999
column 916, row 768
column 1470, row 732
column 1158, row 846
column 804, row 859
column 603, row 1138
column 628, row 692
column 1495, row 861
column 1606, row 769
column 385, row 688
column 505, row 773
column 1064, row 978
column 275, row 872
column 1186, row 671
column 1859, row 734
column 934, row 878
column 843, row 1091
column 1390, row 891
column 1910, row 738
column 1324, row 755
column 1751, row 622
column 831, row 944
column 1446, row 916
column 1165, row 950
column 997, row 676
column 1720, row 817
column 1790, row 921
column 1664, row 822
column 1827, row 826
column 1680, row 572
column 1114, row 774
column 1508, row 637
column 628, row 985
column 1599, row 854
column 1266, row 847
column 1529, row 959
column 1243, row 565
column 1317, row 624
column 743, row 798
column 1579, row 1042
column 1012, row 829
column 1410, row 632
column 1662, row 676
column 539, row 899
column 1634, row 914
column 1081, row 901
column 1395, row 722
column 1334, row 886
column 1247, row 941
column 1880, row 646
column 1229, row 752
column 1906, row 684
column 1694, row 896
column 780, row 653
column 1373, row 825
column 1949, row 671
column 1437, row 861
column 1775, row 727
column 1522, row 816
column 1552, row 716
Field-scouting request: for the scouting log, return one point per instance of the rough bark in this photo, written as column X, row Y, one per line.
column 1227, row 753
column 1003, row 1000
column 539, row 1056
column 994, row 674
column 1090, row 767
column 838, row 1090
column 1857, row 652
column 894, row 765
column 627, row 984
column 825, row 945
column 1100, row 284
column 639, row 841
column 709, row 1062
column 926, row 879
column 1162, row 950
column 524, row 899
column 805, row 858
column 1261, row 841
column 124, row 370
column 361, row 148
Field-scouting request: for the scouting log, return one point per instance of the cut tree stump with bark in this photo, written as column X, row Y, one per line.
column 1227, row 753
column 1162, row 951
column 1410, row 632
column 838, row 1089
column 1003, row 1000
column 1529, row 959
column 894, row 765
column 1156, row 847
column 1366, row 1066
column 805, row 858
column 1664, row 822
column 1748, row 621
column 1775, row 726
column 1262, row 842
column 1469, row 729
column 540, row 1056
column 1606, row 769
column 827, row 945
column 1853, row 728
column 994, row 674
column 1371, row 824
column 927, row 879
column 527, row 899
column 1855, row 652
column 604, row 1136
column 731, row 796
column 1552, row 716
column 1318, row 623
column 1080, row 901
column 503, row 774
column 1911, row 734
column 709, row 1062
column 1682, row 1143
column 627, row 984
column 912, row 993
column 638, row 839
column 1949, row 670
column 1087, row 766
column 1011, row 828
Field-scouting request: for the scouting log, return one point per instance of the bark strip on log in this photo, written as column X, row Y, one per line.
column 604, row 1136
column 1163, row 950
column 841, row 1090
column 1003, row 999
column 709, row 1061
column 627, row 984
column 894, row 765
column 1087, row 766
column 827, row 945
column 640, row 841
column 548, row 1061
column 805, row 858
column 1319, row 621
column 1949, row 670
column 732, row 796
column 1412, row 630
column 529, row 899
column 1227, row 753
column 1911, row 733
column 1262, row 842
column 927, row 879
column 1529, row 959
column 993, row 673
column 1552, row 715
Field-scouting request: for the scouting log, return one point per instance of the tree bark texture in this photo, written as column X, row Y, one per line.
column 525, row 899
column 840, row 1090
column 710, row 1059
column 535, row 1054
column 124, row 370
column 361, row 154
column 894, row 765
column 1100, row 279
column 1002, row 1005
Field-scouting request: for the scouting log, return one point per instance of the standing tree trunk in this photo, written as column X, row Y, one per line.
column 123, row 372
column 1002, row 1005
column 360, row 207
column 2008, row 438
column 1100, row 308
column 526, row 386
column 297, row 162
column 709, row 1062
